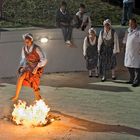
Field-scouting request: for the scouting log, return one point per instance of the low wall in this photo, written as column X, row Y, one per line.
column 61, row 58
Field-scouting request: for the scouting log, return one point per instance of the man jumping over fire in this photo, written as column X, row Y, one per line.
column 31, row 67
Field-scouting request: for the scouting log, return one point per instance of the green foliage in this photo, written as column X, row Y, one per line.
column 42, row 12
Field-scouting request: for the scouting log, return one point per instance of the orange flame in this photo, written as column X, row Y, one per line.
column 33, row 115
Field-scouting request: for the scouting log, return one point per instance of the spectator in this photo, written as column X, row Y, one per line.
column 132, row 52
column 63, row 20
column 82, row 19
column 90, row 52
column 127, row 11
column 108, row 47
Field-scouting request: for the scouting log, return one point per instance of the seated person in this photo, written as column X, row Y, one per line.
column 63, row 20
column 82, row 19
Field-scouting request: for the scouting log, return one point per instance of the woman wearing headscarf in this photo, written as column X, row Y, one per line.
column 108, row 47
column 31, row 67
column 90, row 52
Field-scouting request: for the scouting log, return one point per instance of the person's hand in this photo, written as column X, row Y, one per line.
column 64, row 24
column 20, row 69
column 35, row 70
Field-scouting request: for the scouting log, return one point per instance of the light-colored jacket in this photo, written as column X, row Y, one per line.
column 132, row 51
column 128, row 1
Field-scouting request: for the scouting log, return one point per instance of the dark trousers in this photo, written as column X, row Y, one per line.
column 67, row 32
column 134, row 75
column 127, row 12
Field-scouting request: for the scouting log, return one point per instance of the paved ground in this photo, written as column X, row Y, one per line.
column 88, row 109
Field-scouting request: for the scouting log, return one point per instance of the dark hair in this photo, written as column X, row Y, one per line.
column 28, row 38
column 63, row 3
column 134, row 20
column 82, row 6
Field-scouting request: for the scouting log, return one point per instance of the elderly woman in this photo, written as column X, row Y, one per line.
column 90, row 52
column 31, row 67
column 108, row 47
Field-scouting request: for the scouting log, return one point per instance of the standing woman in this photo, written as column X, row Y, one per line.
column 108, row 47
column 90, row 52
column 31, row 67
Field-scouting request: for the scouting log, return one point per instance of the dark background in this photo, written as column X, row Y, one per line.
column 120, row 3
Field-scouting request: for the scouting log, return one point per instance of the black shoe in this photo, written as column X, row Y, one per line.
column 114, row 78
column 90, row 76
column 123, row 24
column 135, row 84
column 96, row 75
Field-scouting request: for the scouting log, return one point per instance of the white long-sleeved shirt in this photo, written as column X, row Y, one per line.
column 132, row 50
column 107, row 36
column 41, row 54
column 85, row 44
column 128, row 1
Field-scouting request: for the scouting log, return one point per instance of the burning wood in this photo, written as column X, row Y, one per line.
column 33, row 115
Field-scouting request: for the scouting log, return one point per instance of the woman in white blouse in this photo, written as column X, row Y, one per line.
column 90, row 52
column 108, row 47
column 31, row 67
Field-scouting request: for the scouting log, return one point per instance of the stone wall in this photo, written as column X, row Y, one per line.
column 61, row 58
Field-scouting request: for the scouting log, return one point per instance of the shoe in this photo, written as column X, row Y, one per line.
column 68, row 42
column 96, row 75
column 123, row 24
column 135, row 85
column 113, row 77
column 90, row 76
column 103, row 79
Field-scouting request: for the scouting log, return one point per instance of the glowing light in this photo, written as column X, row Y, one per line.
column 44, row 40
column 33, row 115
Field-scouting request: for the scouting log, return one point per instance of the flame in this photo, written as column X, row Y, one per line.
column 33, row 115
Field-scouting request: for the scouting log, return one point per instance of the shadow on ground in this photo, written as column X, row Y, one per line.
column 89, row 126
column 76, row 80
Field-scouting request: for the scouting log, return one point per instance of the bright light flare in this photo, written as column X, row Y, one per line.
column 44, row 40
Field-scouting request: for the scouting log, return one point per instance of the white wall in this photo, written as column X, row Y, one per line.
column 60, row 57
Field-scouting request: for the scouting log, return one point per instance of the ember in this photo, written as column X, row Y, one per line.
column 33, row 115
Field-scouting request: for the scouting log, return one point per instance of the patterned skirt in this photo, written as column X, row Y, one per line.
column 32, row 80
column 107, row 62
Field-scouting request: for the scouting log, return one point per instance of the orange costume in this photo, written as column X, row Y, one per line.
column 31, row 61
column 31, row 67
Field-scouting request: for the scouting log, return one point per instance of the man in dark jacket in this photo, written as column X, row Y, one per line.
column 63, row 20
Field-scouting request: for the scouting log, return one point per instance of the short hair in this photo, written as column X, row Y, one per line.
column 63, row 3
column 134, row 20
column 82, row 6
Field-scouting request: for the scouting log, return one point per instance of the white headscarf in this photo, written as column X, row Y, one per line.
column 91, row 30
column 107, row 21
column 28, row 35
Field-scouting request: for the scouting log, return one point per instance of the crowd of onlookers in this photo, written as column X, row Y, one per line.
column 100, row 52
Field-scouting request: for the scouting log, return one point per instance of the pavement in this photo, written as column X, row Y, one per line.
column 88, row 108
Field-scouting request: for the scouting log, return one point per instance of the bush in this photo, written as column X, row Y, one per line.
column 42, row 12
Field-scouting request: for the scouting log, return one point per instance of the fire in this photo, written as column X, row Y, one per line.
column 33, row 115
